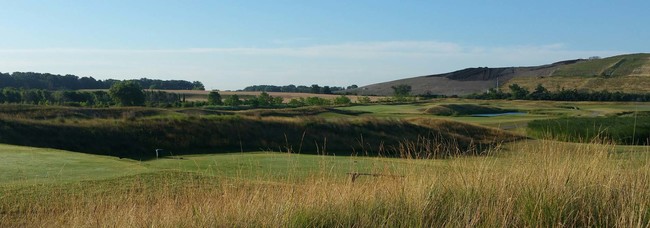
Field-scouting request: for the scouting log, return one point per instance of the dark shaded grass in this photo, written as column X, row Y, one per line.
column 137, row 139
column 628, row 130
column 464, row 110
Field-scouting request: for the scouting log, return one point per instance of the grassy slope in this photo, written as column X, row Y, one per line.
column 622, row 65
column 29, row 164
column 624, row 73
column 26, row 166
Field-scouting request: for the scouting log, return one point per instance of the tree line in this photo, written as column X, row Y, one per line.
column 97, row 98
column 541, row 93
column 130, row 93
column 266, row 100
column 46, row 81
column 315, row 88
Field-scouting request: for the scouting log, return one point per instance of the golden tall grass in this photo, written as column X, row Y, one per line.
column 534, row 183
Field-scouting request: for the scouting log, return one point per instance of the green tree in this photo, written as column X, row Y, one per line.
column 232, row 100
column 518, row 92
column 316, row 101
column 314, row 88
column 127, row 93
column 197, row 85
column 297, row 102
column 364, row 100
column 342, row 100
column 278, row 100
column 214, row 98
column 326, row 90
column 264, row 99
column 401, row 92
column 540, row 93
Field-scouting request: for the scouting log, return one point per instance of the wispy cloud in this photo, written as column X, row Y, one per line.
column 352, row 50
column 344, row 50
column 333, row 64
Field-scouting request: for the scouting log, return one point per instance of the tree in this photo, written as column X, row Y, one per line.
column 326, row 90
column 518, row 92
column 364, row 100
column 278, row 100
column 264, row 99
column 232, row 100
column 342, row 100
column 353, row 86
column 316, row 101
column 197, row 85
column 127, row 93
column 540, row 93
column 297, row 102
column 401, row 90
column 214, row 98
column 315, row 88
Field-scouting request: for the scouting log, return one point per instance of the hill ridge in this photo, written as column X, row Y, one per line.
column 585, row 74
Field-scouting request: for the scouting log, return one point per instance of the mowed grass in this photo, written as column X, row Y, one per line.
column 36, row 165
column 29, row 165
column 534, row 110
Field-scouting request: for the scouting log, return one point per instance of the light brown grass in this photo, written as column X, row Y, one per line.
column 627, row 84
column 532, row 184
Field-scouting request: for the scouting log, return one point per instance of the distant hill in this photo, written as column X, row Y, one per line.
column 625, row 73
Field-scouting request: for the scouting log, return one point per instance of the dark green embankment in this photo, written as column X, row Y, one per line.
column 138, row 138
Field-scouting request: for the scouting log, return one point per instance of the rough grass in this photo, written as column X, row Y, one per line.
column 531, row 184
column 627, row 84
column 624, row 73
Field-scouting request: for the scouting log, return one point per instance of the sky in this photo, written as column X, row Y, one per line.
column 229, row 45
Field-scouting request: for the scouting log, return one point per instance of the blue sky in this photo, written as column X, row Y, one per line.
column 232, row 44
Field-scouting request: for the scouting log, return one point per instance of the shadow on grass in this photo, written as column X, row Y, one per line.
column 138, row 139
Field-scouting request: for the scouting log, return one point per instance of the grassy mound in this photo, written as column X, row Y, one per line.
column 464, row 110
column 11, row 111
column 138, row 138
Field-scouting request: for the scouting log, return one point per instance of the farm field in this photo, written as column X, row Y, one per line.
column 511, row 178
column 197, row 95
column 202, row 95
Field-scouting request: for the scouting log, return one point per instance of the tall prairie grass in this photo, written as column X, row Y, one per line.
column 534, row 183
